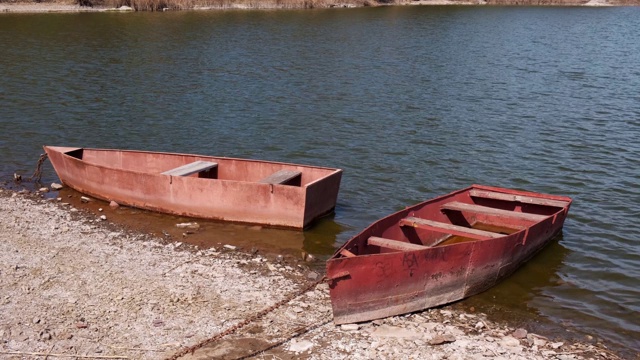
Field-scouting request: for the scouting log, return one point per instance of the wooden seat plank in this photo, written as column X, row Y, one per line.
column 281, row 177
column 449, row 228
column 519, row 198
column 347, row 253
column 191, row 168
column 394, row 244
column 458, row 206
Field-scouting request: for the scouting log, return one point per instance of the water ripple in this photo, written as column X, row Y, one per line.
column 411, row 103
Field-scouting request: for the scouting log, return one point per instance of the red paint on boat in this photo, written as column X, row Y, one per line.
column 220, row 188
column 420, row 257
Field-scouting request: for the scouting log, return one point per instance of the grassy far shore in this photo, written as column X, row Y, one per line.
column 13, row 6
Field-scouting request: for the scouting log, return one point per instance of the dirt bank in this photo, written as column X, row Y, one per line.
column 164, row 5
column 73, row 285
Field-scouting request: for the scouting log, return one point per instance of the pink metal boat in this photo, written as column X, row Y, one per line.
column 238, row 190
column 440, row 251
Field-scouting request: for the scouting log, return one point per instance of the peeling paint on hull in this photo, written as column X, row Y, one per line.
column 375, row 281
column 233, row 192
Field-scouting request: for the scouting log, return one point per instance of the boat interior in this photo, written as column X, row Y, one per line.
column 474, row 215
column 264, row 172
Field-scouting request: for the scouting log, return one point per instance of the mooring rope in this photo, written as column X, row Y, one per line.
column 246, row 321
column 37, row 174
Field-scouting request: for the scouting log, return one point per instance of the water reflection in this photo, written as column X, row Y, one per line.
column 512, row 297
column 319, row 241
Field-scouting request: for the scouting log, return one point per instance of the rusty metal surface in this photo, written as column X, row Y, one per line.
column 379, row 282
column 231, row 193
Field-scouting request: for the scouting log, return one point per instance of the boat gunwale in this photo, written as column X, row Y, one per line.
column 409, row 209
column 333, row 171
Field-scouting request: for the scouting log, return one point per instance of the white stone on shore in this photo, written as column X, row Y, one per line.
column 56, row 186
column 300, row 346
column 349, row 327
column 510, row 341
column 556, row 345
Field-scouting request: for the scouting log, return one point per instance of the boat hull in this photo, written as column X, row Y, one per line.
column 381, row 283
column 135, row 178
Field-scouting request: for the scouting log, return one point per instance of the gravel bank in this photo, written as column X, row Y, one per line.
column 73, row 286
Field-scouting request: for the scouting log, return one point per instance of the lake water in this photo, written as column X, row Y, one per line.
column 412, row 102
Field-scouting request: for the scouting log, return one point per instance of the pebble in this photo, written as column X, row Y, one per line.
column 300, row 346
column 349, row 327
column 56, row 186
column 85, row 199
column 556, row 345
column 114, row 205
column 510, row 341
column 519, row 333
column 189, row 225
column 442, row 339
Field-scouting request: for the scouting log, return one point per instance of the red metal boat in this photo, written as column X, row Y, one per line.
column 238, row 190
column 440, row 251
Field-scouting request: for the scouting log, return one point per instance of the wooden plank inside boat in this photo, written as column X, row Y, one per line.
column 283, row 177
column 347, row 253
column 394, row 244
column 518, row 198
column 191, row 168
column 458, row 206
column 449, row 228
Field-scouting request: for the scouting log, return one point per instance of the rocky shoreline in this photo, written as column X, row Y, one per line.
column 75, row 285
